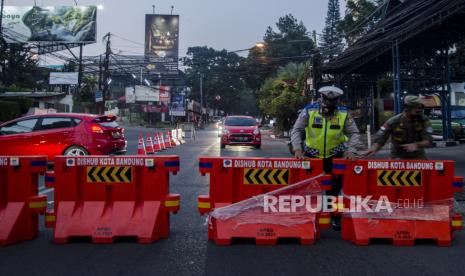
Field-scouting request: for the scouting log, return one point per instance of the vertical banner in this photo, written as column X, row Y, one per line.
column 162, row 43
column 178, row 100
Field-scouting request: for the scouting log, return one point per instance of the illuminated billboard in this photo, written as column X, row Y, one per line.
column 162, row 42
column 66, row 24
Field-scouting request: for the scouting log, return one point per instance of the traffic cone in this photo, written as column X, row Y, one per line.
column 174, row 133
column 149, row 146
column 141, row 146
column 156, row 143
column 162, row 141
column 166, row 140
column 170, row 139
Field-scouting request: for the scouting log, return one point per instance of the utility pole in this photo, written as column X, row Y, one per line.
column 80, row 67
column 1, row 20
column 106, row 73
column 201, row 98
column 100, row 74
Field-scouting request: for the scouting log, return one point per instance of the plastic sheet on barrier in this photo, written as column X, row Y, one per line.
column 440, row 210
column 254, row 211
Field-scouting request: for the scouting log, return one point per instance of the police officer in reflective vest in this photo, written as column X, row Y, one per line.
column 329, row 133
column 410, row 132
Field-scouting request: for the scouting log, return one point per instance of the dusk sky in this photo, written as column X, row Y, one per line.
column 221, row 24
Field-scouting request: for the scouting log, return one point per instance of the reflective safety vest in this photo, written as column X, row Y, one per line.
column 325, row 138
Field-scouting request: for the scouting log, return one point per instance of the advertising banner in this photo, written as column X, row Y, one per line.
column 129, row 95
column 165, row 94
column 162, row 42
column 65, row 24
column 147, row 94
column 70, row 78
column 178, row 101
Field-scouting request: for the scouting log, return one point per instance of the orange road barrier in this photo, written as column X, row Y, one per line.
column 105, row 197
column 235, row 184
column 20, row 203
column 420, row 193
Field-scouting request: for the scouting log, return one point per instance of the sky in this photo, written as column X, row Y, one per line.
column 220, row 24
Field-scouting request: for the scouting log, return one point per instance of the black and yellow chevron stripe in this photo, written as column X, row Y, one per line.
column 266, row 177
column 104, row 174
column 399, row 178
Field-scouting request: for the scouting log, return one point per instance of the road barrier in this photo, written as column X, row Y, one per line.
column 20, row 203
column 234, row 184
column 188, row 130
column 181, row 136
column 420, row 191
column 106, row 197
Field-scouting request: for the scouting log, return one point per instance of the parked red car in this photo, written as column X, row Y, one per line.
column 241, row 130
column 62, row 134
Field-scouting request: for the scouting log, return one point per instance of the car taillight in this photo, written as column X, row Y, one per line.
column 96, row 129
column 256, row 131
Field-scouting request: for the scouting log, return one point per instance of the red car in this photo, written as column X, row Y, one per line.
column 241, row 130
column 62, row 134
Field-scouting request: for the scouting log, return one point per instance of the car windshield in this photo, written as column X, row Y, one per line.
column 458, row 114
column 238, row 121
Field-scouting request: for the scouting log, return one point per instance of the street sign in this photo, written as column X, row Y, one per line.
column 98, row 96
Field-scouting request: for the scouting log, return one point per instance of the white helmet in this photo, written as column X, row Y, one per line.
column 331, row 92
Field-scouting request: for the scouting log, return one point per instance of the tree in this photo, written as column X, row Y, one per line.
column 291, row 42
column 457, row 60
column 221, row 73
column 280, row 96
column 360, row 16
column 331, row 44
column 18, row 66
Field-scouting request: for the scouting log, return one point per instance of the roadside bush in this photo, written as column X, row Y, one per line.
column 9, row 110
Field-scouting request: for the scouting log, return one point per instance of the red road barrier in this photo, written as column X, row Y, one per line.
column 20, row 203
column 423, row 189
column 108, row 197
column 233, row 180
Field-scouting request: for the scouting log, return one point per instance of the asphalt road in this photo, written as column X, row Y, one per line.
column 188, row 252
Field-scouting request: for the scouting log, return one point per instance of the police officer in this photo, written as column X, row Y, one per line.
column 410, row 131
column 329, row 132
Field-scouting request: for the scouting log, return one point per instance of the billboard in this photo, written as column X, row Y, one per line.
column 66, row 24
column 162, row 42
column 178, row 107
column 70, row 78
column 129, row 95
column 146, row 94
column 165, row 94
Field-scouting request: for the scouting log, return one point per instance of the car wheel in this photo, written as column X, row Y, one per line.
column 75, row 151
column 258, row 146
column 223, row 146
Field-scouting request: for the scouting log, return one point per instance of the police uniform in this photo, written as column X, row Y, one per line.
column 326, row 136
column 405, row 131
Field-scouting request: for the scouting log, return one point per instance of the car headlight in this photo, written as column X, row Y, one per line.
column 225, row 131
column 256, row 131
